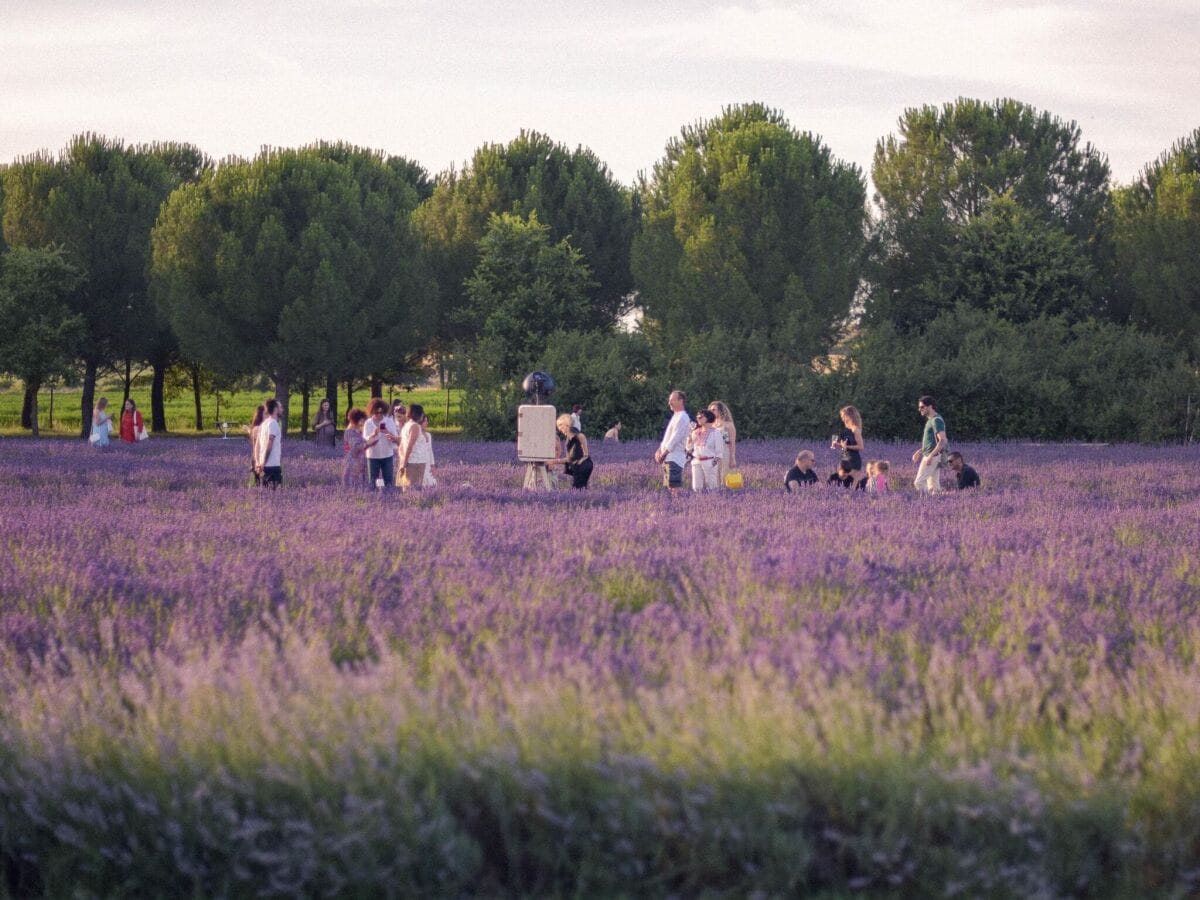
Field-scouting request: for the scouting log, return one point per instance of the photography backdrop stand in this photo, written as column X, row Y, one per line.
column 538, row 477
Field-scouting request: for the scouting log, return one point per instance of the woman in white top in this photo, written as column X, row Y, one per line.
column 728, row 432
column 252, row 432
column 380, row 440
column 429, row 480
column 414, row 451
column 706, row 452
column 101, row 424
column 395, row 422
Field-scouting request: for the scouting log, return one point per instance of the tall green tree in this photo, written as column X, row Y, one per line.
column 525, row 287
column 181, row 164
column 572, row 193
column 1157, row 241
column 1009, row 261
column 944, row 169
column 3, row 245
column 298, row 263
column 40, row 335
column 98, row 200
column 750, row 225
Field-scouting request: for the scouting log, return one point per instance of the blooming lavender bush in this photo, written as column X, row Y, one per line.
column 214, row 690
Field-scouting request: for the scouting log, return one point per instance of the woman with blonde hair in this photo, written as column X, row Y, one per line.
column 576, row 461
column 101, row 424
column 851, row 441
column 728, row 431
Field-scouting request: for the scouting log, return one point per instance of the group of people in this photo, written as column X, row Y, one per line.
column 130, row 427
column 386, row 449
column 710, row 444
column 395, row 448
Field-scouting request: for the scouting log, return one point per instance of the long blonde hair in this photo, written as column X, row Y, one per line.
column 852, row 413
column 722, row 411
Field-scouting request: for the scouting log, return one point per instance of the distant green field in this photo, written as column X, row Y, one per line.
column 444, row 408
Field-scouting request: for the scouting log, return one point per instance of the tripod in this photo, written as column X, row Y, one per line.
column 538, row 477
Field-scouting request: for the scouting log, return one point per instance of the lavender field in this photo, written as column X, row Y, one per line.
column 210, row 690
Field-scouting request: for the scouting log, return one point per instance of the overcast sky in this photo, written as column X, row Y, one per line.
column 434, row 80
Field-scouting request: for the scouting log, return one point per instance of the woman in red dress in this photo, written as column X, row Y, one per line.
column 131, row 422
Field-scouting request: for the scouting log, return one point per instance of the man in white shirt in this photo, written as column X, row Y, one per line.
column 269, row 452
column 671, row 451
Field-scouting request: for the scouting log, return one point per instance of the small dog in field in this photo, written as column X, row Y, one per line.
column 614, row 433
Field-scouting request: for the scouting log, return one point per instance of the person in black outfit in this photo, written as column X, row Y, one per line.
column 802, row 472
column 576, row 462
column 851, row 440
column 967, row 477
column 843, row 476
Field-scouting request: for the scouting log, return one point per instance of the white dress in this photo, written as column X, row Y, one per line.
column 429, row 480
column 100, row 431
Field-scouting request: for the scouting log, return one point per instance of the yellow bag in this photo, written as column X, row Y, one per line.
column 734, row 481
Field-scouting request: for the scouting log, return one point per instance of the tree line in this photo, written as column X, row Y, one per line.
column 993, row 264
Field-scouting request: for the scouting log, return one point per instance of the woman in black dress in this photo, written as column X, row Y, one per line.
column 851, row 441
column 576, row 462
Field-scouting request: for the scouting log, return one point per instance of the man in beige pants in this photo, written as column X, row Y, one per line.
column 933, row 443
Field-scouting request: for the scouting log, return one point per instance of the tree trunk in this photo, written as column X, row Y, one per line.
column 33, row 412
column 332, row 393
column 27, row 407
column 158, row 406
column 51, row 419
column 282, row 390
column 195, row 370
column 304, row 410
column 376, row 386
column 128, row 380
column 349, row 393
column 88, row 397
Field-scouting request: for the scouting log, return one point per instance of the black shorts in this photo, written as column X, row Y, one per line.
column 272, row 476
column 672, row 475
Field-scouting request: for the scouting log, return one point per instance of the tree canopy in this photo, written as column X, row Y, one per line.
column 98, row 200
column 525, row 287
column 40, row 335
column 1158, row 245
column 750, row 225
column 296, row 263
column 571, row 192
column 944, row 170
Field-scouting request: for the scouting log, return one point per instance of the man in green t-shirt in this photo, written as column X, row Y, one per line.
column 933, row 443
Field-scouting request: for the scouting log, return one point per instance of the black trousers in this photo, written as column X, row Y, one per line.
column 580, row 472
column 385, row 467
